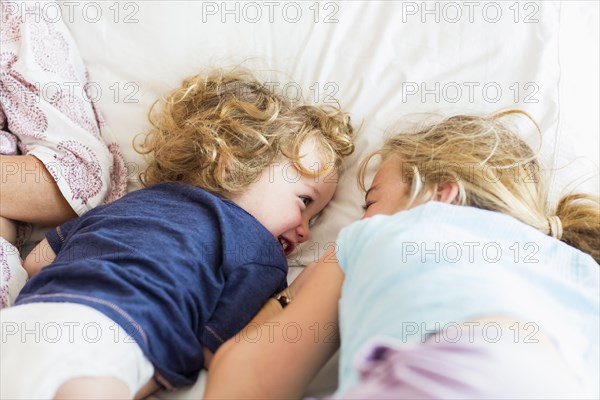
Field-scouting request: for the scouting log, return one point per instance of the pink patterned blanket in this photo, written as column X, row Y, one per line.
column 46, row 111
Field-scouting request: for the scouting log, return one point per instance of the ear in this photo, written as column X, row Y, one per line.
column 447, row 192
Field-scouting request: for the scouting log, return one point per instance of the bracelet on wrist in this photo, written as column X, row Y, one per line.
column 282, row 299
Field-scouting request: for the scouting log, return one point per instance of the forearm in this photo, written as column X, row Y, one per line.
column 30, row 194
column 277, row 356
column 279, row 365
column 40, row 257
column 271, row 309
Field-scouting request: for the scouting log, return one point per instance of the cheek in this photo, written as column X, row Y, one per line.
column 295, row 217
column 289, row 219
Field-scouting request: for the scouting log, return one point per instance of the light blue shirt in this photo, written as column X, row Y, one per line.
column 438, row 265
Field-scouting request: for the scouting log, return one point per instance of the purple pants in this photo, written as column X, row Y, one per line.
column 468, row 368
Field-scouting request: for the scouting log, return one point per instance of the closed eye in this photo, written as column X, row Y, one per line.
column 367, row 202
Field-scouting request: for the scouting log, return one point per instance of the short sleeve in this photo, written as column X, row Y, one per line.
column 350, row 239
column 342, row 242
column 246, row 290
column 56, row 237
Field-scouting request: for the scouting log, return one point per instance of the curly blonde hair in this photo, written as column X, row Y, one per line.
column 495, row 170
column 219, row 131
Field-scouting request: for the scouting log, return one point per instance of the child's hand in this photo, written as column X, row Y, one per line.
column 41, row 256
column 8, row 230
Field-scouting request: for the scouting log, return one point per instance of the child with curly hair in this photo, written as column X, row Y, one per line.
column 142, row 291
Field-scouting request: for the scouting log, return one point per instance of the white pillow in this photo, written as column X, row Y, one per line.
column 380, row 60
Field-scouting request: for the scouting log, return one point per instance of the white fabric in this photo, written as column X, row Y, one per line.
column 55, row 342
column 45, row 104
column 12, row 274
column 45, row 112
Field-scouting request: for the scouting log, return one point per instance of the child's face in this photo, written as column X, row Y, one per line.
column 284, row 201
column 389, row 192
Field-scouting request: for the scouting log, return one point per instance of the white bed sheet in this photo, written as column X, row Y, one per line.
column 380, row 59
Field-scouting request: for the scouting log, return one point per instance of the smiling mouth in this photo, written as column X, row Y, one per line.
column 286, row 245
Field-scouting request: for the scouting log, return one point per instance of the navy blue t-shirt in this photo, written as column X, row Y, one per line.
column 177, row 267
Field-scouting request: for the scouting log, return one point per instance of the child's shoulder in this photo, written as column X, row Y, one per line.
column 171, row 190
column 178, row 194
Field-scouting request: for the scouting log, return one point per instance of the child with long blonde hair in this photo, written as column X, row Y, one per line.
column 460, row 281
column 168, row 273
column 494, row 170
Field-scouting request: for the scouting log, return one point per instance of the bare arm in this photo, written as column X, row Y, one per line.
column 281, row 362
column 30, row 194
column 41, row 256
column 8, row 230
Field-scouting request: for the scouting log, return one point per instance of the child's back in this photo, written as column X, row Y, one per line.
column 159, row 258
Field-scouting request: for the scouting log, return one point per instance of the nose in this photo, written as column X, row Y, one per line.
column 303, row 231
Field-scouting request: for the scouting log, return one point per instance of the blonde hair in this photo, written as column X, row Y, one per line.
column 494, row 170
column 219, row 131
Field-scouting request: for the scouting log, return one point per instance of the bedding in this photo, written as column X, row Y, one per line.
column 380, row 60
column 384, row 62
column 45, row 113
column 45, row 109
